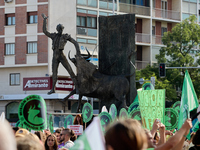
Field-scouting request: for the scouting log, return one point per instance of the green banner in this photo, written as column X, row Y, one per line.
column 152, row 106
column 171, row 119
column 32, row 112
column 87, row 112
column 51, row 123
column 123, row 114
column 113, row 111
column 105, row 119
column 68, row 121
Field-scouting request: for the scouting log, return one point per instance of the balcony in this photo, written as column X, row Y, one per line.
column 87, row 31
column 157, row 40
column 135, row 9
column 141, row 64
column 142, row 38
column 166, row 14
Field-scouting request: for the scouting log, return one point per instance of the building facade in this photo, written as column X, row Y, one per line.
column 26, row 53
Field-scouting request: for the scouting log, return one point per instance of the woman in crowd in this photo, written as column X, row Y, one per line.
column 126, row 134
column 78, row 120
column 51, row 143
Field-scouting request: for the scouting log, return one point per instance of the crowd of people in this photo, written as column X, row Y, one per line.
column 126, row 134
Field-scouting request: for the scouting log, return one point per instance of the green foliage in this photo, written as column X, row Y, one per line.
column 179, row 43
column 152, row 71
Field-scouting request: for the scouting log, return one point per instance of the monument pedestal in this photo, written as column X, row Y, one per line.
column 116, row 43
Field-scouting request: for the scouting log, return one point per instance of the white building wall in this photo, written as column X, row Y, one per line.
column 62, row 12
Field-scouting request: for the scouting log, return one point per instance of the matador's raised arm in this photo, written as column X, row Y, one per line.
column 45, row 26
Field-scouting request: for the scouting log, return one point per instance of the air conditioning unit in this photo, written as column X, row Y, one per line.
column 8, row 1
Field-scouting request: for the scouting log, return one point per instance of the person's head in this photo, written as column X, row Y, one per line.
column 60, row 28
column 78, row 120
column 66, row 135
column 57, row 134
column 150, row 139
column 51, row 142
column 7, row 138
column 126, row 134
column 196, row 138
column 29, row 142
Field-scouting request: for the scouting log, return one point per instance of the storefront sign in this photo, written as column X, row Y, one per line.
column 45, row 83
column 78, row 129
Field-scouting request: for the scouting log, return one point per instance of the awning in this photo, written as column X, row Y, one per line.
column 44, row 96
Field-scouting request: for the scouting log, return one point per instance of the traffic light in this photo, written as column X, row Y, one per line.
column 162, row 72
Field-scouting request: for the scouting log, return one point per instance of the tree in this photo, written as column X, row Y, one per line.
column 179, row 44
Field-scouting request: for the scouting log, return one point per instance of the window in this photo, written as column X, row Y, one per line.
column 86, row 18
column 14, row 79
column 12, row 111
column 10, row 49
column 153, row 30
column 32, row 17
column 163, row 29
column 32, row 47
column 10, row 19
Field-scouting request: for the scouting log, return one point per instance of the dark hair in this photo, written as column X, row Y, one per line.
column 40, row 135
column 71, row 134
column 126, row 134
column 55, row 146
column 196, row 138
column 58, row 130
column 75, row 119
column 15, row 128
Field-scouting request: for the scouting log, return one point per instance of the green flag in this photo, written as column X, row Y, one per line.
column 92, row 138
column 189, row 100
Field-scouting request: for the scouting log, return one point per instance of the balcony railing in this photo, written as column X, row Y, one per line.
column 157, row 40
column 135, row 9
column 142, row 38
column 87, row 31
column 166, row 14
column 90, row 3
column 141, row 64
column 107, row 4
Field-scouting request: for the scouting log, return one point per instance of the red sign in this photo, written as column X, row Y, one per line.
column 45, row 83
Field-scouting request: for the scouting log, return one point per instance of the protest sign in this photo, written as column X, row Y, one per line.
column 123, row 113
column 171, row 118
column 87, row 112
column 68, row 121
column 133, row 106
column 148, row 86
column 32, row 113
column 105, row 119
column 152, row 106
column 78, row 129
column 51, row 123
column 113, row 111
column 176, row 106
column 135, row 114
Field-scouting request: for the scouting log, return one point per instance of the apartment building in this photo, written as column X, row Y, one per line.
column 26, row 53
